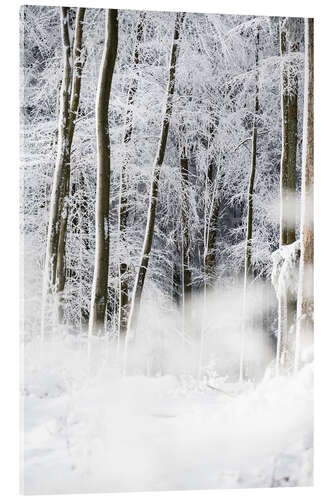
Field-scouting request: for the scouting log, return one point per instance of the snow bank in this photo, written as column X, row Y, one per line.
column 107, row 433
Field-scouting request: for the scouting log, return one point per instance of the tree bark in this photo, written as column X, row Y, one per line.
column 59, row 179
column 292, row 109
column 100, row 282
column 123, row 196
column 285, row 136
column 210, row 254
column 148, row 240
column 305, row 306
column 72, row 115
column 54, row 274
column 289, row 101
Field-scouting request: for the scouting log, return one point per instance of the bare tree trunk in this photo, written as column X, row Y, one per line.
column 148, row 240
column 289, row 101
column 304, row 329
column 123, row 196
column 213, row 205
column 73, row 110
column 285, row 137
column 58, row 187
column 248, row 271
column 54, row 258
column 292, row 136
column 175, row 284
column 99, row 294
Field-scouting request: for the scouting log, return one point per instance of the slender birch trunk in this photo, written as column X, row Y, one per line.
column 123, row 194
column 249, row 226
column 99, row 295
column 148, row 240
column 305, row 302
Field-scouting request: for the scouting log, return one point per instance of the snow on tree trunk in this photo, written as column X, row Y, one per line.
column 149, row 234
column 285, row 281
column 305, row 303
column 99, row 293
column 289, row 90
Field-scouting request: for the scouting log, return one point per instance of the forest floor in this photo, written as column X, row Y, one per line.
column 103, row 433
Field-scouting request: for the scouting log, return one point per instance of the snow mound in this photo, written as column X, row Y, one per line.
column 285, row 269
column 43, row 384
column 107, row 433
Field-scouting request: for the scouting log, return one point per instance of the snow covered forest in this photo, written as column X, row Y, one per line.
column 167, row 256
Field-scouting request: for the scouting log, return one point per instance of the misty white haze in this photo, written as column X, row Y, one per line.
column 167, row 257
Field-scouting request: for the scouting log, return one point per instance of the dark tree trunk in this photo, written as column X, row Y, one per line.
column 177, row 267
column 249, row 229
column 60, row 174
column 54, row 278
column 72, row 115
column 186, row 245
column 100, row 283
column 289, row 102
column 210, row 256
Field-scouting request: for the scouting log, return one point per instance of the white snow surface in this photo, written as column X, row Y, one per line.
column 102, row 432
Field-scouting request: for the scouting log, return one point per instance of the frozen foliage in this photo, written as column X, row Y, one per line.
column 107, row 433
column 214, row 95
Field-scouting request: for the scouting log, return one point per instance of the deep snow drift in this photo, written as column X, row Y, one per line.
column 102, row 432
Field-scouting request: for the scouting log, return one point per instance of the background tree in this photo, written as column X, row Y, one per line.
column 123, row 202
column 140, row 279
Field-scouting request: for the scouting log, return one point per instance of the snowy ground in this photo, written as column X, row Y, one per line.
column 106, row 433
